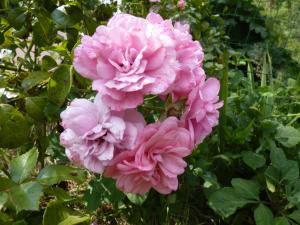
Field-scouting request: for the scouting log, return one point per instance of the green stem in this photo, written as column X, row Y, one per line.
column 287, row 115
column 250, row 76
column 41, row 132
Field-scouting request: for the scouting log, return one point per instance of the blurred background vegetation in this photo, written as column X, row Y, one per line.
column 246, row 172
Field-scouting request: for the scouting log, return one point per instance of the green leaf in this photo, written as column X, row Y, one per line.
column 52, row 111
column 246, row 188
column 272, row 175
column 288, row 136
column 54, row 149
column 295, row 216
column 48, row 63
column 253, row 160
column 5, row 184
column 102, row 190
column 91, row 24
column 281, row 221
column 67, row 15
column 57, row 214
column 26, row 196
column 291, row 171
column 43, row 31
column 3, row 199
column 284, row 169
column 73, row 220
column 293, row 192
column 263, row 215
column 35, row 107
column 54, row 174
column 137, row 199
column 60, row 84
column 35, row 78
column 17, row 17
column 72, row 35
column 23, row 165
column 14, row 128
column 59, row 193
column 226, row 201
column 60, row 17
column 271, row 186
column 5, row 219
column 278, row 158
column 22, row 33
column 20, row 222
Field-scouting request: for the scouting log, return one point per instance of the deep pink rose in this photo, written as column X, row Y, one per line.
column 189, row 54
column 202, row 113
column 127, row 59
column 181, row 4
column 156, row 161
column 93, row 132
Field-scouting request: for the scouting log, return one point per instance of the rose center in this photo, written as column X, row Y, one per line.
column 124, row 61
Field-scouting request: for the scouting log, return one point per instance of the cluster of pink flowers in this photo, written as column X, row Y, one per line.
column 127, row 59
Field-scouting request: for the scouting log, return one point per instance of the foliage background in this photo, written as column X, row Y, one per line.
column 246, row 172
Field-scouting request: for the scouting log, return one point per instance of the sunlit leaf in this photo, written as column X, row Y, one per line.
column 23, row 165
column 54, row 174
column 26, row 196
column 34, row 78
column 288, row 136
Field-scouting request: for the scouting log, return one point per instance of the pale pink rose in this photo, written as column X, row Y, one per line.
column 154, row 0
column 127, row 59
column 189, row 54
column 93, row 133
column 156, row 161
column 181, row 4
column 202, row 113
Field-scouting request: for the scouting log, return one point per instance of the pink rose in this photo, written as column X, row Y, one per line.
column 181, row 4
column 127, row 59
column 202, row 113
column 93, row 132
column 189, row 54
column 154, row 0
column 156, row 161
